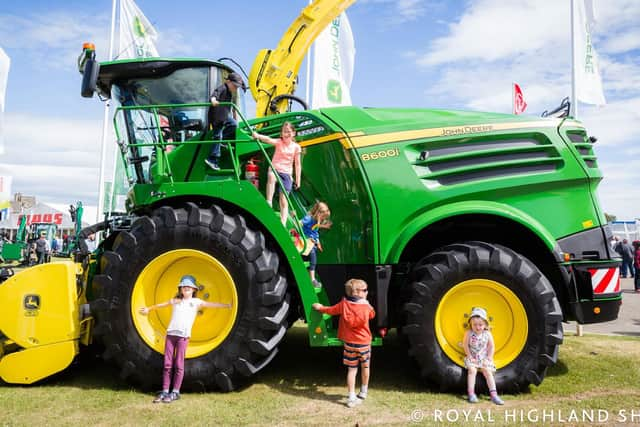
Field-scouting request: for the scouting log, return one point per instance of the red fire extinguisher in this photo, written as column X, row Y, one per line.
column 251, row 172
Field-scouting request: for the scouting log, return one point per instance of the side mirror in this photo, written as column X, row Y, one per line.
column 90, row 78
column 89, row 68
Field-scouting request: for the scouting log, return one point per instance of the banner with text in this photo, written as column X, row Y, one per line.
column 5, row 196
column 333, row 62
column 5, row 62
column 137, row 35
column 588, row 82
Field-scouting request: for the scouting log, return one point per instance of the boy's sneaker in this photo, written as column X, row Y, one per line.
column 316, row 284
column 160, row 397
column 496, row 399
column 212, row 164
column 473, row 398
column 353, row 402
column 362, row 395
column 170, row 397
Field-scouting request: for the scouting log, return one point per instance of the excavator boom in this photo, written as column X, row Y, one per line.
column 274, row 72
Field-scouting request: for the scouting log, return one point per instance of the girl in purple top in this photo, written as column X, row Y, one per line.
column 185, row 308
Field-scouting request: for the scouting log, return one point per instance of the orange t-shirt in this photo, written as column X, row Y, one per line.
column 354, row 319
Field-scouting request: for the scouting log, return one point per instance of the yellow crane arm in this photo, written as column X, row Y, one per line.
column 274, row 72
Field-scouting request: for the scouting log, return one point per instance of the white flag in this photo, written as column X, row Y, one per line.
column 137, row 35
column 4, row 76
column 588, row 81
column 333, row 62
column 5, row 195
column 137, row 39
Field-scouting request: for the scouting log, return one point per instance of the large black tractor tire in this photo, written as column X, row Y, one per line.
column 185, row 237
column 525, row 316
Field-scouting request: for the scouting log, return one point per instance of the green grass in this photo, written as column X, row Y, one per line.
column 305, row 386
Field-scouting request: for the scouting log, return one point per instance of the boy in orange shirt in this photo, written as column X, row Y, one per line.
column 353, row 329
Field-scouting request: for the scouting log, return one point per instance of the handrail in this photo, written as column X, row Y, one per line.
column 162, row 162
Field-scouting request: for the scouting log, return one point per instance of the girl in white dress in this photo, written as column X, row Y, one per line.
column 478, row 348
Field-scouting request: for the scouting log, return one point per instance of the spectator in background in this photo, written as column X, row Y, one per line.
column 636, row 258
column 42, row 249
column 627, row 253
column 92, row 245
column 614, row 242
column 54, row 246
column 65, row 243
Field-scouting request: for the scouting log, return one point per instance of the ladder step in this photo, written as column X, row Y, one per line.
column 220, row 171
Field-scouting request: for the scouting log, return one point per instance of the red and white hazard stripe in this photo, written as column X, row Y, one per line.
column 605, row 280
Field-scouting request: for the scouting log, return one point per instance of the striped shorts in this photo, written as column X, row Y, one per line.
column 356, row 354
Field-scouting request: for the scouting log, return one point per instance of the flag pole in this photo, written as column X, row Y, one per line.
column 308, row 82
column 573, row 109
column 573, row 106
column 105, row 122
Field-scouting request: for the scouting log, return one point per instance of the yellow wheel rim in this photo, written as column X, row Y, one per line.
column 158, row 283
column 507, row 319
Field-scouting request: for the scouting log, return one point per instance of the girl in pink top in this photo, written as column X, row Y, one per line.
column 286, row 160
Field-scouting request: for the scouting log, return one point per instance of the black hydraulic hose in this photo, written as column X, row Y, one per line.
column 236, row 64
column 85, row 233
column 273, row 105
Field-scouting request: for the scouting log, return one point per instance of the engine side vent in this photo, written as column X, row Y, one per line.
column 459, row 161
column 584, row 147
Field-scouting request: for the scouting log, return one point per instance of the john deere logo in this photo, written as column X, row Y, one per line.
column 334, row 91
column 31, row 302
column 138, row 27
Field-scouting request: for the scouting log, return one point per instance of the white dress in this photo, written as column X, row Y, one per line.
column 478, row 358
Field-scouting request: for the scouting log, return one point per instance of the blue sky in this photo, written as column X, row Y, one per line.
column 410, row 53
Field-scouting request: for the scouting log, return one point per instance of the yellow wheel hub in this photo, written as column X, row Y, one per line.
column 158, row 283
column 507, row 319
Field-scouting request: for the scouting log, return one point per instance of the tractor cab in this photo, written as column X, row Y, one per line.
column 158, row 105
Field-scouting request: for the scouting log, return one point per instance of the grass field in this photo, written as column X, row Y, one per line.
column 596, row 376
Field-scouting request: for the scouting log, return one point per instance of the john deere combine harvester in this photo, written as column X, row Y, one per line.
column 438, row 211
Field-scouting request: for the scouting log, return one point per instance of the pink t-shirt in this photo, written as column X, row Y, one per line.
column 283, row 157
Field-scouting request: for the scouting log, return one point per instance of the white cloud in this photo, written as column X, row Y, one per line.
column 399, row 11
column 621, row 76
column 54, row 38
column 494, row 29
column 173, row 43
column 410, row 10
column 615, row 124
column 54, row 159
column 618, row 191
column 623, row 41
